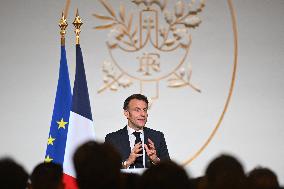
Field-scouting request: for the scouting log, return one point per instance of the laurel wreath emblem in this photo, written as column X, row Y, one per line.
column 125, row 34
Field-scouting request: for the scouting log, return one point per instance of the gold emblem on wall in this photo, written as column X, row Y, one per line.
column 142, row 46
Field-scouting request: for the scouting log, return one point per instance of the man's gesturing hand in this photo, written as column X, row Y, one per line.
column 151, row 152
column 134, row 154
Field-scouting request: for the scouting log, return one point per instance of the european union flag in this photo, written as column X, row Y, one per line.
column 60, row 118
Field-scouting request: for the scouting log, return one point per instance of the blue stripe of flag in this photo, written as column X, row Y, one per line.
column 81, row 101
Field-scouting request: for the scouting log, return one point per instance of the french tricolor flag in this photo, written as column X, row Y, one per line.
column 81, row 127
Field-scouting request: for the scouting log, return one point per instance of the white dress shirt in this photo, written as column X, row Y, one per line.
column 132, row 139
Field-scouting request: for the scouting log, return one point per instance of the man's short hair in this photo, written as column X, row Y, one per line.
column 46, row 176
column 134, row 96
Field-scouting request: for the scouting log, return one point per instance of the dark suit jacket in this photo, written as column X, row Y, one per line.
column 120, row 140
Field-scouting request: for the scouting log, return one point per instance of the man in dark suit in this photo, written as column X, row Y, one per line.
column 138, row 145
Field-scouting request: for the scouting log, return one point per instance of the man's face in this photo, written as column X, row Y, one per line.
column 136, row 114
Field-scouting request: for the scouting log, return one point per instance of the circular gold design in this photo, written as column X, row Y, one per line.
column 234, row 26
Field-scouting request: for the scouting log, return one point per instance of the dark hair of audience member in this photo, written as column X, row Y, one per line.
column 225, row 172
column 198, row 183
column 47, row 176
column 12, row 175
column 130, row 180
column 97, row 166
column 165, row 175
column 262, row 178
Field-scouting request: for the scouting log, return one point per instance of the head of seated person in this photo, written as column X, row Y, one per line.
column 47, row 176
column 225, row 172
column 12, row 175
column 166, row 175
column 97, row 165
column 262, row 178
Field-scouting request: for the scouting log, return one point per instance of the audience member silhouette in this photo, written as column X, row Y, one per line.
column 97, row 166
column 165, row 175
column 130, row 180
column 198, row 183
column 225, row 172
column 47, row 176
column 12, row 175
column 262, row 178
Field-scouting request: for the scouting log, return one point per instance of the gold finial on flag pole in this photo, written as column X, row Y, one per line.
column 63, row 25
column 77, row 23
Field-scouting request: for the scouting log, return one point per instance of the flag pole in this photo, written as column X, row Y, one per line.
column 67, row 6
column 77, row 23
column 62, row 104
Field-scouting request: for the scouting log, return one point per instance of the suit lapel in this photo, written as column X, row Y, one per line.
column 125, row 143
column 146, row 136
